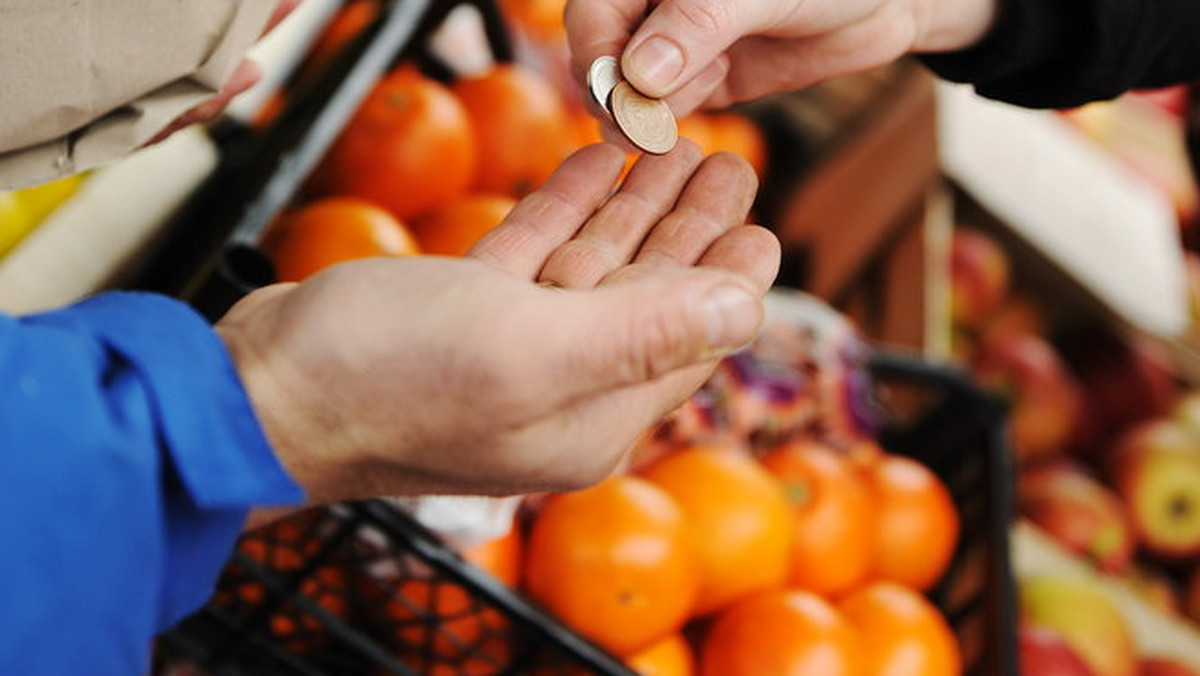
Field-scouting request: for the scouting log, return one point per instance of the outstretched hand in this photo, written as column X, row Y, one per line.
column 534, row 363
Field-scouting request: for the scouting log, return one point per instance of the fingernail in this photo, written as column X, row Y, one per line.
column 655, row 64
column 732, row 315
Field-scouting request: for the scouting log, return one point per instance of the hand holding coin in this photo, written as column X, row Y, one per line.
column 648, row 123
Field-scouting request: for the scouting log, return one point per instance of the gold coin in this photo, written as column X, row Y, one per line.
column 648, row 123
column 603, row 76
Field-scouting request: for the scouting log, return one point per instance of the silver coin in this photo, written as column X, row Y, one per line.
column 603, row 76
column 648, row 123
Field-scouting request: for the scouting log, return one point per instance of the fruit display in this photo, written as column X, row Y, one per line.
column 1104, row 438
column 760, row 528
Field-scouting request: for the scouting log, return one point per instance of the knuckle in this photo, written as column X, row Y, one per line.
column 579, row 263
column 708, row 17
column 657, row 346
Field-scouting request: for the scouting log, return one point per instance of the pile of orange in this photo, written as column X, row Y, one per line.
column 447, row 161
column 806, row 560
column 710, row 561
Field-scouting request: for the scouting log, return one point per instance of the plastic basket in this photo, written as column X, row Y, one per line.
column 363, row 589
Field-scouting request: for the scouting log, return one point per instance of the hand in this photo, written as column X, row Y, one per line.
column 404, row 376
column 718, row 52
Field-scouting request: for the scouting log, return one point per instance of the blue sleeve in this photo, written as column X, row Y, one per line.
column 129, row 458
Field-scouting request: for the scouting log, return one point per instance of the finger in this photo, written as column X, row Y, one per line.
column 685, row 101
column 612, row 236
column 630, row 333
column 761, row 65
column 681, row 38
column 748, row 250
column 596, row 29
column 610, row 133
column 551, row 215
column 718, row 198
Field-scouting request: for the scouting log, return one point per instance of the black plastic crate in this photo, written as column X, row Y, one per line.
column 363, row 589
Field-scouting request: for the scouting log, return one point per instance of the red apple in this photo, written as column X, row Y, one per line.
column 1156, row 471
column 1165, row 666
column 1127, row 380
column 1082, row 514
column 979, row 276
column 1085, row 618
column 1043, row 652
column 1046, row 401
column 1015, row 314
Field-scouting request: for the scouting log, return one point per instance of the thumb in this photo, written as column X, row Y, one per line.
column 680, row 39
column 633, row 332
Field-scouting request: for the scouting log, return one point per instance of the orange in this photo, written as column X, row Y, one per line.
column 501, row 557
column 671, row 656
column 520, row 125
column 782, row 633
column 735, row 133
column 302, row 631
column 440, row 628
column 541, row 18
column 453, row 229
column 832, row 517
column 864, row 453
column 738, row 517
column 614, row 562
column 409, row 148
column 916, row 525
column 584, row 129
column 349, row 21
column 696, row 128
column 331, row 231
column 906, row 634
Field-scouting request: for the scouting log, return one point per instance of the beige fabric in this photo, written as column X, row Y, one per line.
column 83, row 82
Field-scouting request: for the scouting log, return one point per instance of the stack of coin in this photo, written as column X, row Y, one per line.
column 648, row 123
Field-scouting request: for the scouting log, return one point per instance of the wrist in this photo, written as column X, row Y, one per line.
column 951, row 25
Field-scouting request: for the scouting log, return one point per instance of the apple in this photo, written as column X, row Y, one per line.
column 1191, row 595
column 1043, row 652
column 979, row 276
column 1155, row 468
column 1016, row 314
column 1046, row 401
column 1165, row 666
column 1082, row 514
column 1085, row 619
column 1127, row 380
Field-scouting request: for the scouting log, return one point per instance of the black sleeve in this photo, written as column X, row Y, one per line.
column 1063, row 53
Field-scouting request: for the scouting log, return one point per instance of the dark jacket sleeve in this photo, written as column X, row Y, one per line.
column 1063, row 53
column 129, row 457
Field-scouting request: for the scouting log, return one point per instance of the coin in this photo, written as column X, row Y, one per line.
column 648, row 123
column 603, row 76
